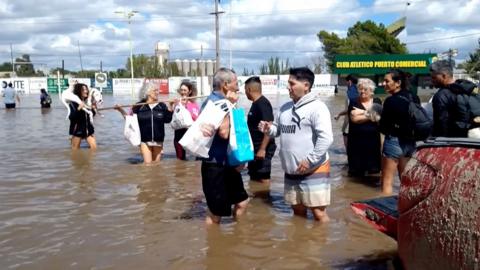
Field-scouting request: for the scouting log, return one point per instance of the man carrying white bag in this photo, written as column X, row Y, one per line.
column 221, row 182
column 212, row 114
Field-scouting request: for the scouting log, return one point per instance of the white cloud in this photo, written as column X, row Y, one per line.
column 49, row 30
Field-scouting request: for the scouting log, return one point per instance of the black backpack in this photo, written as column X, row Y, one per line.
column 420, row 124
column 467, row 113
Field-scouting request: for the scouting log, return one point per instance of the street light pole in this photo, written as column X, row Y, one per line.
column 128, row 17
column 217, row 35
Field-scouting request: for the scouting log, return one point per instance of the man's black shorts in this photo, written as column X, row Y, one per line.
column 223, row 187
column 9, row 105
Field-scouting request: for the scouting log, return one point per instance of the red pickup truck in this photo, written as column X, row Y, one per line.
column 436, row 216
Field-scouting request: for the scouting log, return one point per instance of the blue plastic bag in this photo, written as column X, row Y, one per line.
column 240, row 148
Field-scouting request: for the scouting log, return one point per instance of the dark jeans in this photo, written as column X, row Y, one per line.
column 180, row 152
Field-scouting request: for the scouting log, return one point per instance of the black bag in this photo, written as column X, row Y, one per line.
column 467, row 114
column 420, row 124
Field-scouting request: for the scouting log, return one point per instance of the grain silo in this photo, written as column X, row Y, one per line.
column 162, row 52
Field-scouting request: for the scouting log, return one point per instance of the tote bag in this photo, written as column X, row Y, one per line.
column 181, row 117
column 131, row 130
column 240, row 147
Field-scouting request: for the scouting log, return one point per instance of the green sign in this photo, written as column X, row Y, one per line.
column 381, row 63
column 52, row 84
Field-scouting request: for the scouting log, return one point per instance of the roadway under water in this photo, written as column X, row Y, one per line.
column 105, row 210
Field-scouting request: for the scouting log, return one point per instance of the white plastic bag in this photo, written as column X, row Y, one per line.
column 213, row 114
column 131, row 130
column 181, row 117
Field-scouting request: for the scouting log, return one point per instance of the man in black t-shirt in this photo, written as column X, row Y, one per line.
column 264, row 146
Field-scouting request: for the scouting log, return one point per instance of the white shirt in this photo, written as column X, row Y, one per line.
column 9, row 95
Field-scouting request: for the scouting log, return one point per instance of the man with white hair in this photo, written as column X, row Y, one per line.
column 222, row 183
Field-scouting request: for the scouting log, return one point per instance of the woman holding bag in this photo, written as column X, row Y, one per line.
column 151, row 120
column 186, row 89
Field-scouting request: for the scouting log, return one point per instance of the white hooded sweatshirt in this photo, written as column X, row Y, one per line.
column 305, row 131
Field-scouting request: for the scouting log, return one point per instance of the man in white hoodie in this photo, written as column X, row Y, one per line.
column 305, row 132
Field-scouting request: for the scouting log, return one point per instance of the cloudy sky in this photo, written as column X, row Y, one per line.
column 252, row 30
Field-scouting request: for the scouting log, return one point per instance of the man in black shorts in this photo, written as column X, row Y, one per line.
column 264, row 145
column 222, row 183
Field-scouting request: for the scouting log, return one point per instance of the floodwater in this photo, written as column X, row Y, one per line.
column 105, row 210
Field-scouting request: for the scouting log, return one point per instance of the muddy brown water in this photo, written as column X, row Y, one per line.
column 105, row 210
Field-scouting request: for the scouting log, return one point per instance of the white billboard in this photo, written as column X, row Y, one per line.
column 25, row 86
column 123, row 87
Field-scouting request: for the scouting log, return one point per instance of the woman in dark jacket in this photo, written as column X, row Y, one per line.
column 151, row 121
column 45, row 99
column 363, row 149
column 80, row 120
column 397, row 146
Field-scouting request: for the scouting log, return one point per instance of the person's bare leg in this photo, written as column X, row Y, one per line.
column 212, row 219
column 75, row 141
column 402, row 163
column 299, row 210
column 240, row 208
column 146, row 153
column 266, row 182
column 345, row 141
column 389, row 168
column 156, row 153
column 320, row 214
column 92, row 142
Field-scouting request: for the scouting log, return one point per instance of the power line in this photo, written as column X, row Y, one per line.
column 443, row 38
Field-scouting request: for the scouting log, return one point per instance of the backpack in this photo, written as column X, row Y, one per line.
column 420, row 124
column 468, row 104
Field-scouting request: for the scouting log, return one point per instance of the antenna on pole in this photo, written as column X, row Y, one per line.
column 217, row 34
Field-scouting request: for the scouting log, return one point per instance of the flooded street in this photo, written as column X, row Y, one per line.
column 105, row 210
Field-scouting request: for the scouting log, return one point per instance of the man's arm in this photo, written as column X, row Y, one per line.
column 263, row 147
column 224, row 129
column 322, row 126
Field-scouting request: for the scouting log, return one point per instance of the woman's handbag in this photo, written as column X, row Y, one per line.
column 181, row 117
column 131, row 130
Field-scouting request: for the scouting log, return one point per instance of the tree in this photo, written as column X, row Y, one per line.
column 23, row 66
column 245, row 72
column 472, row 65
column 362, row 38
column 6, row 66
column 148, row 66
column 275, row 66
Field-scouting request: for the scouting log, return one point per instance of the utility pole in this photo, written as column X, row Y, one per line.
column 63, row 69
column 230, row 39
column 80, row 55
column 128, row 16
column 202, row 70
column 11, row 56
column 217, row 35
